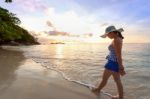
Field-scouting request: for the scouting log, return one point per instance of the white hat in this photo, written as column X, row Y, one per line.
column 111, row 29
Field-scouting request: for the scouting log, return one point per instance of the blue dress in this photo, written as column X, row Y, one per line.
column 112, row 63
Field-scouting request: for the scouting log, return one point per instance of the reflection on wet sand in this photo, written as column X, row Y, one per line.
column 9, row 62
column 22, row 78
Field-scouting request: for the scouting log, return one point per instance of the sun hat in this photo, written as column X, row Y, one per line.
column 111, row 29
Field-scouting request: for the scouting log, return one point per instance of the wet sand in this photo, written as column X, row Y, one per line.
column 22, row 78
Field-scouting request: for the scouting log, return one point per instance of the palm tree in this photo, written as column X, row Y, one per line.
column 8, row 1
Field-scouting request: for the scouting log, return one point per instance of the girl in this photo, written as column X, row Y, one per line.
column 114, row 65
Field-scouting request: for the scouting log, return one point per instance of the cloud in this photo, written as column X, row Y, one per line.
column 49, row 24
column 71, row 21
column 31, row 5
column 104, row 24
column 78, row 19
column 36, row 24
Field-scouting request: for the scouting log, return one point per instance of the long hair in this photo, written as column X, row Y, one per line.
column 119, row 34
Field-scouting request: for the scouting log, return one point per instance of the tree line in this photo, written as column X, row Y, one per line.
column 10, row 29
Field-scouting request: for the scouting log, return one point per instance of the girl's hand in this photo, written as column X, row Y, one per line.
column 122, row 71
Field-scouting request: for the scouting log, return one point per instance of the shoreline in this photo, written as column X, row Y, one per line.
column 22, row 78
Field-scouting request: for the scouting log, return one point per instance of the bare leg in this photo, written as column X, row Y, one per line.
column 106, row 75
column 118, row 82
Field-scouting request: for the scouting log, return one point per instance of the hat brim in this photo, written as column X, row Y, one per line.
column 105, row 35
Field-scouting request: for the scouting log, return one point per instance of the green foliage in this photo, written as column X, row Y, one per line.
column 9, row 29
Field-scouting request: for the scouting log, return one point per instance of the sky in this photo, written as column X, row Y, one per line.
column 85, row 16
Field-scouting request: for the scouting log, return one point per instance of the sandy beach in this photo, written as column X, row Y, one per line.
column 22, row 78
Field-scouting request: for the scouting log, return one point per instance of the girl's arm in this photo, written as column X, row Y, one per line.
column 118, row 48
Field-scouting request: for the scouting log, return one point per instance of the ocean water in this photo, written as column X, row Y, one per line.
column 84, row 63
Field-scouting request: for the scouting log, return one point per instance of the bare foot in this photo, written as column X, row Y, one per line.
column 96, row 91
column 115, row 97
